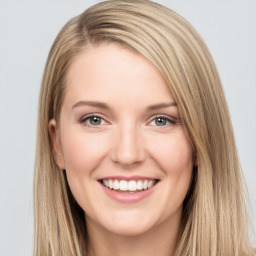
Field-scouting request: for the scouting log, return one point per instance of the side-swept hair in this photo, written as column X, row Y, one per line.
column 214, row 220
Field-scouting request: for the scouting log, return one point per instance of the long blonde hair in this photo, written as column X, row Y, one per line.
column 214, row 220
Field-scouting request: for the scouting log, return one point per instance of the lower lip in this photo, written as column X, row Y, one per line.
column 126, row 197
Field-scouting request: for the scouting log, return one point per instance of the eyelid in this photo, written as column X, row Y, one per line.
column 83, row 119
column 170, row 119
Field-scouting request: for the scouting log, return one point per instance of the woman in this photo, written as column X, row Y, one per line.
column 135, row 149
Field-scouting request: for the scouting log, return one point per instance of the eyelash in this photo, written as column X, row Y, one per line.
column 170, row 121
column 87, row 117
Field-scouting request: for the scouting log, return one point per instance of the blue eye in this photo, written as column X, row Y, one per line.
column 162, row 121
column 94, row 121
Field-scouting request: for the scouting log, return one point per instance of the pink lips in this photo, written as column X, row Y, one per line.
column 127, row 197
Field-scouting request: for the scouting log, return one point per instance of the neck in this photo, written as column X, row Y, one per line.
column 160, row 240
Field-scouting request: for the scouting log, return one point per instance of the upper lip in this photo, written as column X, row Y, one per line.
column 127, row 178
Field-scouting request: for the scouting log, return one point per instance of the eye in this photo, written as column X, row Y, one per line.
column 162, row 121
column 93, row 120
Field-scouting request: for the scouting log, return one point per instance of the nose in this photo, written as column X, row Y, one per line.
column 128, row 146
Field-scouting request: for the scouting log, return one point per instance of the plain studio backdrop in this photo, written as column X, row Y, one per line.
column 27, row 30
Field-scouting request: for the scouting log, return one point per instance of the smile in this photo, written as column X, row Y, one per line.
column 128, row 189
column 128, row 186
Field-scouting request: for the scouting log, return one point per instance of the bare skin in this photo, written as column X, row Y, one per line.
column 119, row 119
column 145, row 244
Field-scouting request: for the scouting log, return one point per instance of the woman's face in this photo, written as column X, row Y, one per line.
column 120, row 139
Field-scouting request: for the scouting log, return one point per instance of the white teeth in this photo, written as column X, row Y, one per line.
column 123, row 185
column 139, row 185
column 110, row 184
column 116, row 185
column 145, row 184
column 131, row 185
column 150, row 183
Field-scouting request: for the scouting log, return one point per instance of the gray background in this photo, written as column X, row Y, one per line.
column 27, row 29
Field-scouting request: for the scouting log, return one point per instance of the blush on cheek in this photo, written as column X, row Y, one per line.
column 83, row 153
column 173, row 154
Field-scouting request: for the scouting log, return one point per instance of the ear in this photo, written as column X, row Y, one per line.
column 56, row 144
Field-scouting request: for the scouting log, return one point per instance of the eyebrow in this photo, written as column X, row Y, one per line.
column 103, row 105
column 161, row 105
column 96, row 104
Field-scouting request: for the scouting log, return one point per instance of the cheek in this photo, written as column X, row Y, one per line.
column 82, row 152
column 174, row 157
column 82, row 155
column 173, row 153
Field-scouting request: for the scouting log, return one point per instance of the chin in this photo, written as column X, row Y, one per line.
column 129, row 224
column 129, row 230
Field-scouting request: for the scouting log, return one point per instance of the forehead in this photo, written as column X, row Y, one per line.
column 112, row 73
